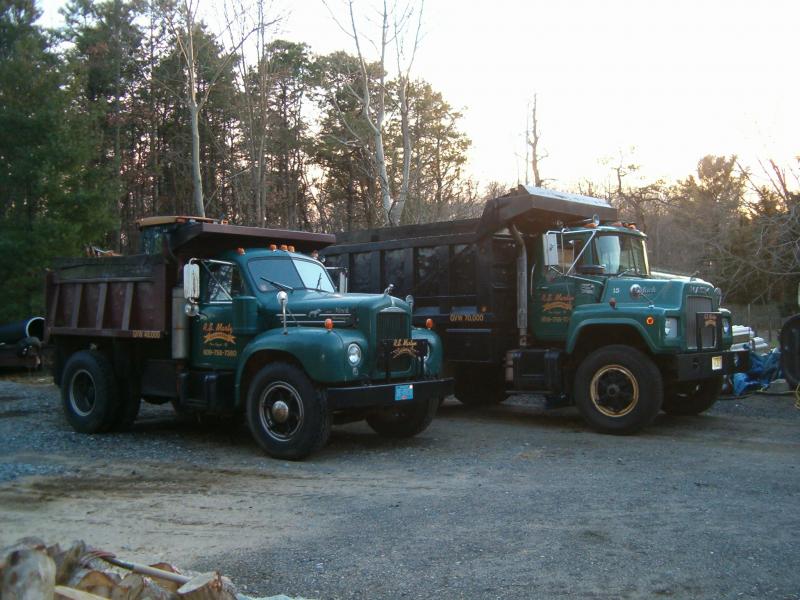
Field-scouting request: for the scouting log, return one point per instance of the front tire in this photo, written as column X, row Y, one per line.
column 287, row 416
column 618, row 390
column 404, row 421
column 89, row 392
column 692, row 398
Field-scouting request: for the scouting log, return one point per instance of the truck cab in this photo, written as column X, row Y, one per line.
column 227, row 320
column 552, row 293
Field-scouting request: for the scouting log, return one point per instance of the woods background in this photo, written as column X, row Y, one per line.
column 137, row 108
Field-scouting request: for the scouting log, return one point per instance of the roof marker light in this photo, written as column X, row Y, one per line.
column 284, row 248
column 273, row 247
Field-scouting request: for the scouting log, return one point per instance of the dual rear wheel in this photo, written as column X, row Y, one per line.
column 94, row 399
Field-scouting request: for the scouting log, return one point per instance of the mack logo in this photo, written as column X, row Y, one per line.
column 222, row 332
column 404, row 347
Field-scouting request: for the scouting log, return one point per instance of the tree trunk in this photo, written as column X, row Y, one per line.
column 197, row 181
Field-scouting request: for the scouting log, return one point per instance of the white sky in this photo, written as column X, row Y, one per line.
column 674, row 80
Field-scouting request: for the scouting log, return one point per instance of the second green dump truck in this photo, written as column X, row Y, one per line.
column 551, row 293
column 226, row 320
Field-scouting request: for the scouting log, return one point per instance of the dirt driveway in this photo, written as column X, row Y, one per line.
column 506, row 502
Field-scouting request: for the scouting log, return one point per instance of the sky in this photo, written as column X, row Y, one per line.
column 658, row 83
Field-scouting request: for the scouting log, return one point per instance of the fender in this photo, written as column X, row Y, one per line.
column 634, row 317
column 434, row 363
column 321, row 353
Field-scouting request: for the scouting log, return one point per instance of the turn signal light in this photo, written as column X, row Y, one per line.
column 429, row 323
column 240, row 250
column 612, row 302
column 328, row 324
column 649, row 320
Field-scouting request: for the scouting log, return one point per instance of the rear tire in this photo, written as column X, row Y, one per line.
column 618, row 390
column 287, row 416
column 89, row 392
column 480, row 385
column 692, row 398
column 404, row 421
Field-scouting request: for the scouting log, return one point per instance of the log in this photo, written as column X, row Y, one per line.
column 67, row 561
column 67, row 593
column 99, row 583
column 171, row 584
column 208, row 586
column 137, row 587
column 28, row 574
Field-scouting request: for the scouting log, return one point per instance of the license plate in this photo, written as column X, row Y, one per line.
column 403, row 392
column 716, row 363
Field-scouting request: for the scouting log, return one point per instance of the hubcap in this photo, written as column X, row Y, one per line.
column 614, row 391
column 280, row 411
column 82, row 393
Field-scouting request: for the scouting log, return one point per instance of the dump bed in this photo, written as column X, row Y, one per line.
column 462, row 274
column 117, row 296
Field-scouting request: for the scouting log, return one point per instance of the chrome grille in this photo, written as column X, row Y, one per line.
column 393, row 325
column 694, row 305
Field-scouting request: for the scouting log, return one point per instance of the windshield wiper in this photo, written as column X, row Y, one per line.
column 633, row 270
column 283, row 286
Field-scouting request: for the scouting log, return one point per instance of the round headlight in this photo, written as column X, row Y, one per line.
column 354, row 354
column 726, row 326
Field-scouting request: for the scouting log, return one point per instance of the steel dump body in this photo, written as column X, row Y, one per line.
column 129, row 296
column 119, row 296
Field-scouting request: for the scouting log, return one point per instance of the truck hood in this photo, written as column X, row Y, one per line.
column 666, row 293
column 310, row 306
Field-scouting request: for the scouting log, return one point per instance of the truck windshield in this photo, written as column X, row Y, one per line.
column 621, row 254
column 289, row 272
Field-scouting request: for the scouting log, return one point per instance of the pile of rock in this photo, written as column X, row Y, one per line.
column 32, row 570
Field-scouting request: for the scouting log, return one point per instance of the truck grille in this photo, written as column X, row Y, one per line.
column 694, row 305
column 393, row 325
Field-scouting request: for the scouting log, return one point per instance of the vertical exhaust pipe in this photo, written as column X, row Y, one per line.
column 522, row 286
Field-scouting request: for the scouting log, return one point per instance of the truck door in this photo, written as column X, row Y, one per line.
column 213, row 340
column 553, row 294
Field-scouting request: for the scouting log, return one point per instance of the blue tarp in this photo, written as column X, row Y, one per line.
column 764, row 368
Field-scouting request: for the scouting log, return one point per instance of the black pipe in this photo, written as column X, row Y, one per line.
column 11, row 333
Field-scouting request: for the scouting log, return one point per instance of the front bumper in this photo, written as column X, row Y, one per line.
column 700, row 365
column 383, row 395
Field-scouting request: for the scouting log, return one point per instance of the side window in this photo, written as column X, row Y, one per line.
column 223, row 282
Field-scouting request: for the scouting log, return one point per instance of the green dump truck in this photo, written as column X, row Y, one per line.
column 551, row 293
column 227, row 320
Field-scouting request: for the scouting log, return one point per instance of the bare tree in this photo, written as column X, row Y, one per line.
column 532, row 138
column 184, row 32
column 394, row 25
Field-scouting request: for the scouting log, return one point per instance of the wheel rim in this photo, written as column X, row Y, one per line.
column 82, row 393
column 614, row 391
column 280, row 410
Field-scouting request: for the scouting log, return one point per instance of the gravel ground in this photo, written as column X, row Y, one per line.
column 505, row 502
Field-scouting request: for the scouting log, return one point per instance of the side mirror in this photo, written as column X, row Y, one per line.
column 550, row 248
column 191, row 281
column 283, row 300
